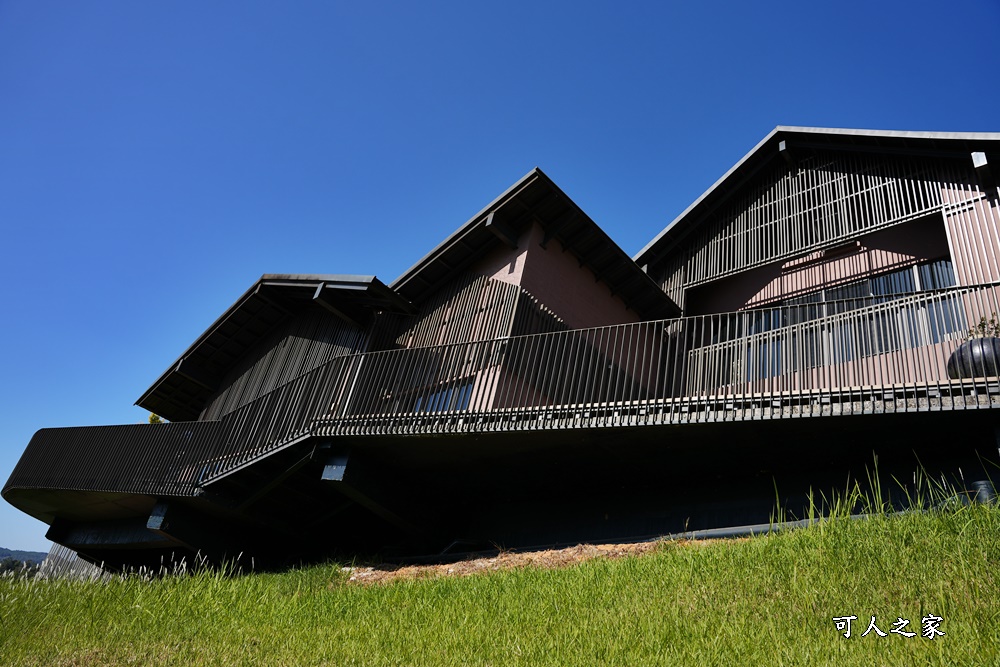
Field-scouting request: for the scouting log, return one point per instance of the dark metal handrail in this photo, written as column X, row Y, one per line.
column 877, row 354
column 154, row 459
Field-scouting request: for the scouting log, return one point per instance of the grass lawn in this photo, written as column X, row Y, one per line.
column 765, row 600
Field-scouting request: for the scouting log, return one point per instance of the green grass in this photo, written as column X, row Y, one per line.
column 765, row 600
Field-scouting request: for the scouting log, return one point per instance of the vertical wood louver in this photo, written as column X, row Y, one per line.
column 825, row 200
column 472, row 308
column 300, row 345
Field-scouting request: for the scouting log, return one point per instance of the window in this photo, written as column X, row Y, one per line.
column 448, row 397
column 926, row 320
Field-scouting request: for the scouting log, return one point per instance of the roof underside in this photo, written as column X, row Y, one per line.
column 535, row 198
column 801, row 140
column 181, row 392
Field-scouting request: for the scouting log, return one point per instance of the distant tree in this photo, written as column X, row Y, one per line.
column 18, row 568
column 156, row 419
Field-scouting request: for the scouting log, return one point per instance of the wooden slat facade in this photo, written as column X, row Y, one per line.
column 474, row 307
column 830, row 199
column 297, row 347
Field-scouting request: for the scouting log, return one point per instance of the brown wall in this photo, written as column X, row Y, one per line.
column 503, row 264
column 557, row 280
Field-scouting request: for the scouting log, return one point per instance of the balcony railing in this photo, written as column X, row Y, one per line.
column 878, row 354
column 875, row 354
column 153, row 459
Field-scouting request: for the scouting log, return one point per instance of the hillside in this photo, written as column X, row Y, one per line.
column 30, row 556
column 772, row 599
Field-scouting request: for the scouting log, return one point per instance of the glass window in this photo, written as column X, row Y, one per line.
column 452, row 396
column 936, row 274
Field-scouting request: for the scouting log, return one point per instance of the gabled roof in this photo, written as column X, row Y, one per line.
column 535, row 198
column 783, row 142
column 181, row 392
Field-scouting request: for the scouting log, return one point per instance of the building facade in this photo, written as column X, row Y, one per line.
column 528, row 383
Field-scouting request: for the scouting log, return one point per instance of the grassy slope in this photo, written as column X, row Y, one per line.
column 768, row 600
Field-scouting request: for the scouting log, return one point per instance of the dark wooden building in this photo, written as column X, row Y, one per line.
column 528, row 383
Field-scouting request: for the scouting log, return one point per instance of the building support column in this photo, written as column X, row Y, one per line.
column 349, row 473
column 186, row 528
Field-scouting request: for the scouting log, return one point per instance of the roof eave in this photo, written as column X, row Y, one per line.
column 339, row 281
column 464, row 230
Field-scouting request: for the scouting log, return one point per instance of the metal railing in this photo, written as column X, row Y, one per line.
column 154, row 459
column 877, row 354
column 873, row 354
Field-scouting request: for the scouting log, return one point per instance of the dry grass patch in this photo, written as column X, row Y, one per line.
column 505, row 560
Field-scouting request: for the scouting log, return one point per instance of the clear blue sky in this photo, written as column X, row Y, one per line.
column 157, row 157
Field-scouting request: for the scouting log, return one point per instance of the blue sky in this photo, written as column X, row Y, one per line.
column 157, row 158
